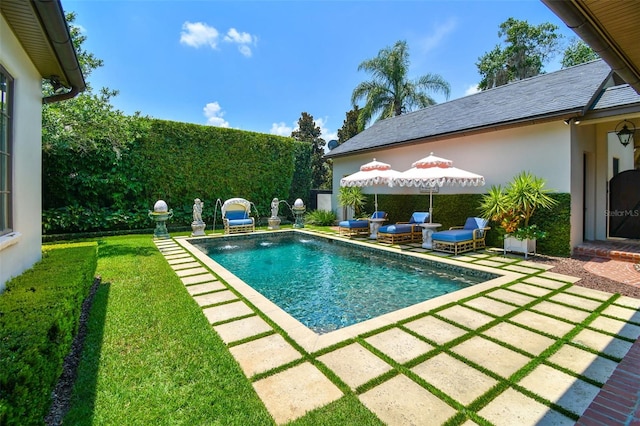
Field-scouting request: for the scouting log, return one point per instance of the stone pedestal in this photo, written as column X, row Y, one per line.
column 161, row 217
column 298, row 214
column 198, row 229
column 274, row 222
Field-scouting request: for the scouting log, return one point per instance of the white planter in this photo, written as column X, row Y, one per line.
column 519, row 246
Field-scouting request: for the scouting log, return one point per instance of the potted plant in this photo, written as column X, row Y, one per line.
column 512, row 208
column 352, row 196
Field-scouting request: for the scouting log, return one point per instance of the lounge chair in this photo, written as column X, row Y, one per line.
column 235, row 216
column 404, row 231
column 358, row 226
column 459, row 239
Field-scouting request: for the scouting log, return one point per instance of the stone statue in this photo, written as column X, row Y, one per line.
column 274, row 207
column 197, row 210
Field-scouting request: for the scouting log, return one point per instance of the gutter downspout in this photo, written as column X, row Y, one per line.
column 53, row 21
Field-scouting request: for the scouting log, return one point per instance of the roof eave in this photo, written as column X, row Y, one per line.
column 578, row 19
column 561, row 115
column 54, row 23
column 41, row 28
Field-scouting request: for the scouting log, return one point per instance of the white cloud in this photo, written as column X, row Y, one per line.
column 214, row 114
column 234, row 36
column 196, row 34
column 245, row 50
column 433, row 40
column 471, row 90
column 324, row 131
column 281, row 129
column 243, row 40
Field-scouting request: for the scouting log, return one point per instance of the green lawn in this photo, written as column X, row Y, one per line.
column 151, row 357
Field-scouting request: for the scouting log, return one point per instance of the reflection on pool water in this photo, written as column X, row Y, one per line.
column 329, row 284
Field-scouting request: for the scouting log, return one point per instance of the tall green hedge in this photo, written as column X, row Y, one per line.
column 39, row 316
column 453, row 210
column 176, row 162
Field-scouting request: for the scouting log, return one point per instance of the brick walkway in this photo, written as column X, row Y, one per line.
column 618, row 402
column 617, row 270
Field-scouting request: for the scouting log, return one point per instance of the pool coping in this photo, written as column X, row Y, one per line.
column 311, row 341
column 292, row 382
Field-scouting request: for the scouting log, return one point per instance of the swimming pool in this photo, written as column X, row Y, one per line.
column 328, row 284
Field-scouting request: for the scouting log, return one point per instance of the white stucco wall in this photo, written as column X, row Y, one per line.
column 20, row 250
column 542, row 149
column 583, row 183
column 324, row 202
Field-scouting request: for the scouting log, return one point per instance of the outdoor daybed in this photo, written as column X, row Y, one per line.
column 358, row 226
column 404, row 231
column 459, row 239
column 235, row 216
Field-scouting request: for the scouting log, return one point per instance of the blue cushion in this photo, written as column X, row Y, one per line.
column 419, row 217
column 398, row 228
column 453, row 235
column 238, row 222
column 378, row 215
column 475, row 223
column 354, row 224
column 236, row 214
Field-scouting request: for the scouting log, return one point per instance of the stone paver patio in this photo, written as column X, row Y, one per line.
column 529, row 348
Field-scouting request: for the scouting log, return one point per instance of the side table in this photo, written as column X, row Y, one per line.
column 427, row 230
column 374, row 225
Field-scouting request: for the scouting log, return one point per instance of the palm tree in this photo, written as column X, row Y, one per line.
column 391, row 93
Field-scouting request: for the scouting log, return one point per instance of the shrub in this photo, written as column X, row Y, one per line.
column 107, row 190
column 39, row 316
column 320, row 218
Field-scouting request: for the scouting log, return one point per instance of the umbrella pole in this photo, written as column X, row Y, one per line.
column 375, row 203
column 431, row 205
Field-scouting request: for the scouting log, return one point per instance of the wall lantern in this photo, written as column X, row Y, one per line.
column 625, row 134
column 55, row 83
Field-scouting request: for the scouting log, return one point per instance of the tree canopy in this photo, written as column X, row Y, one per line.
column 307, row 131
column 578, row 52
column 349, row 126
column 391, row 92
column 82, row 131
column 526, row 50
column 87, row 123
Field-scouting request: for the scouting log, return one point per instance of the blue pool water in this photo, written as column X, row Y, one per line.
column 327, row 284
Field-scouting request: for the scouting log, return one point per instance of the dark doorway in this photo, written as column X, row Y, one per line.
column 624, row 205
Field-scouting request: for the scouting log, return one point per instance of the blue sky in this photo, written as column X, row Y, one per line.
column 257, row 65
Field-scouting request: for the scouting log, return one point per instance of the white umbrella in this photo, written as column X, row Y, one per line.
column 371, row 174
column 433, row 171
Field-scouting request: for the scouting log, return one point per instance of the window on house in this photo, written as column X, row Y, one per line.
column 6, row 95
column 616, row 166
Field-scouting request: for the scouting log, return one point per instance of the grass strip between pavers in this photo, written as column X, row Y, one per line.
column 463, row 412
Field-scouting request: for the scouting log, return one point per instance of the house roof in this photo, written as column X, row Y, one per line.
column 565, row 93
column 616, row 96
column 41, row 28
column 610, row 28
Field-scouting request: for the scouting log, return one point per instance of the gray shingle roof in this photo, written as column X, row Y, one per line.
column 570, row 90
column 617, row 96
